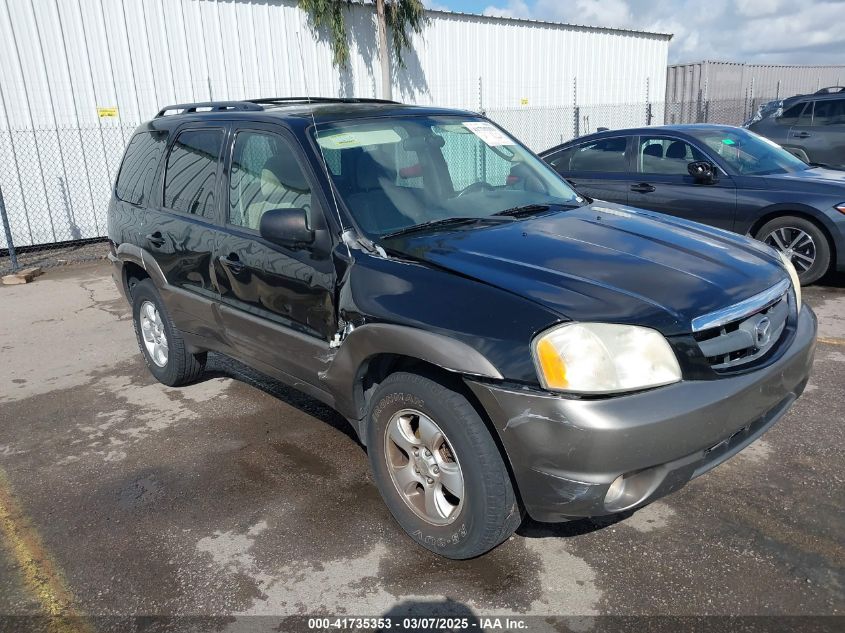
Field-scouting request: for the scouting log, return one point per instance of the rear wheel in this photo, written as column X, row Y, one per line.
column 802, row 241
column 160, row 342
column 438, row 469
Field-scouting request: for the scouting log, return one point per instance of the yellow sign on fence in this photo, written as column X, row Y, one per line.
column 107, row 113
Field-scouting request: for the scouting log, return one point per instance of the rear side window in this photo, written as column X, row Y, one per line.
column 134, row 183
column 190, row 177
column 830, row 112
column 608, row 154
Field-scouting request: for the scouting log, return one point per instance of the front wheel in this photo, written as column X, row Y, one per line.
column 438, row 469
column 802, row 241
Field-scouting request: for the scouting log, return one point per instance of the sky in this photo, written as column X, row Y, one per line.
column 755, row 31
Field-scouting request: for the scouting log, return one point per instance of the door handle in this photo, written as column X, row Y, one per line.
column 643, row 187
column 232, row 262
column 801, row 134
column 155, row 239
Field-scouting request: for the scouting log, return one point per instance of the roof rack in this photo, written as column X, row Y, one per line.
column 254, row 105
column 282, row 100
column 208, row 106
column 830, row 90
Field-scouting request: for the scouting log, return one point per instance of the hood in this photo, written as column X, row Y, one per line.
column 605, row 262
column 815, row 180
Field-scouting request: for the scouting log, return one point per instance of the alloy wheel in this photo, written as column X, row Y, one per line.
column 152, row 330
column 796, row 244
column 423, row 467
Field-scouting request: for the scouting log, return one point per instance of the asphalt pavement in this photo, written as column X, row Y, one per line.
column 240, row 496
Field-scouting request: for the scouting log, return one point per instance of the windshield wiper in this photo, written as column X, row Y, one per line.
column 443, row 222
column 523, row 210
column 531, row 209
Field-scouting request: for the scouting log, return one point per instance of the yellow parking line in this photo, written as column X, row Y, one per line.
column 41, row 575
column 831, row 341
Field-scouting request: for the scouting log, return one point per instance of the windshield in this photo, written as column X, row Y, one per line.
column 748, row 153
column 397, row 173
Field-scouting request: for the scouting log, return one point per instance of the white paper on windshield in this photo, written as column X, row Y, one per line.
column 488, row 133
column 358, row 138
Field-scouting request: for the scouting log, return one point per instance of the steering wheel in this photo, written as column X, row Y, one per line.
column 480, row 185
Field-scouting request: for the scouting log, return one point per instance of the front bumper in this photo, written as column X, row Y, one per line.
column 566, row 452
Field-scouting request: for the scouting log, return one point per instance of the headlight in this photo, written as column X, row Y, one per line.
column 603, row 358
column 793, row 275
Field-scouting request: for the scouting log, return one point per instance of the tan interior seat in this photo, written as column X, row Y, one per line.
column 282, row 185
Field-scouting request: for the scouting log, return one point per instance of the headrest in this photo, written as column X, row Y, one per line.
column 368, row 170
column 655, row 150
column 678, row 149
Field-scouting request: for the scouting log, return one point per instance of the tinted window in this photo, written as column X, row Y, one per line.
column 605, row 155
column 265, row 176
column 658, row 155
column 829, row 112
column 191, row 175
column 806, row 117
column 134, row 183
column 790, row 115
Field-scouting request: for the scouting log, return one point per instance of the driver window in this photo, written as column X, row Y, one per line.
column 790, row 115
column 666, row 156
column 265, row 175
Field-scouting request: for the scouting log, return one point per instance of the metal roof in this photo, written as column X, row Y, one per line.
column 602, row 29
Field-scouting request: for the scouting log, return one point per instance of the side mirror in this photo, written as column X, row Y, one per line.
column 703, row 171
column 286, row 227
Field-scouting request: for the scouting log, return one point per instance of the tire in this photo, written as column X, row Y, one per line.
column 477, row 518
column 779, row 231
column 178, row 367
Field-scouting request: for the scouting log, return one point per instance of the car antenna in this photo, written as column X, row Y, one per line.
column 320, row 147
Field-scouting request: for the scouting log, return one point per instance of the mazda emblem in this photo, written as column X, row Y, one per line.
column 763, row 332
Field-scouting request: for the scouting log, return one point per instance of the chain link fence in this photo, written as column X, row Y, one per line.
column 55, row 183
column 54, row 192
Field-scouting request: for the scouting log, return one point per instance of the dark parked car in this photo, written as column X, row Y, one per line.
column 812, row 127
column 724, row 176
column 499, row 344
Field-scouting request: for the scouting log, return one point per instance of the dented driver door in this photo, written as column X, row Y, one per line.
column 276, row 301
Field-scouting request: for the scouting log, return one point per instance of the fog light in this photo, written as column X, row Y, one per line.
column 615, row 490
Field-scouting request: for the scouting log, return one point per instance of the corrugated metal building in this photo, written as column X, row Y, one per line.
column 77, row 75
column 715, row 81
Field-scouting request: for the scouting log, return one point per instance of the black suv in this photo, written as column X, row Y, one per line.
column 812, row 127
column 500, row 344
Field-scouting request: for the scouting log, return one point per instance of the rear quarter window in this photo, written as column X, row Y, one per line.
column 135, row 180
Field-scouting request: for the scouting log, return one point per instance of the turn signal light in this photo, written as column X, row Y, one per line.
column 552, row 365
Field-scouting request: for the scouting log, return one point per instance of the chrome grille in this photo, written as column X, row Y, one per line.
column 741, row 334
